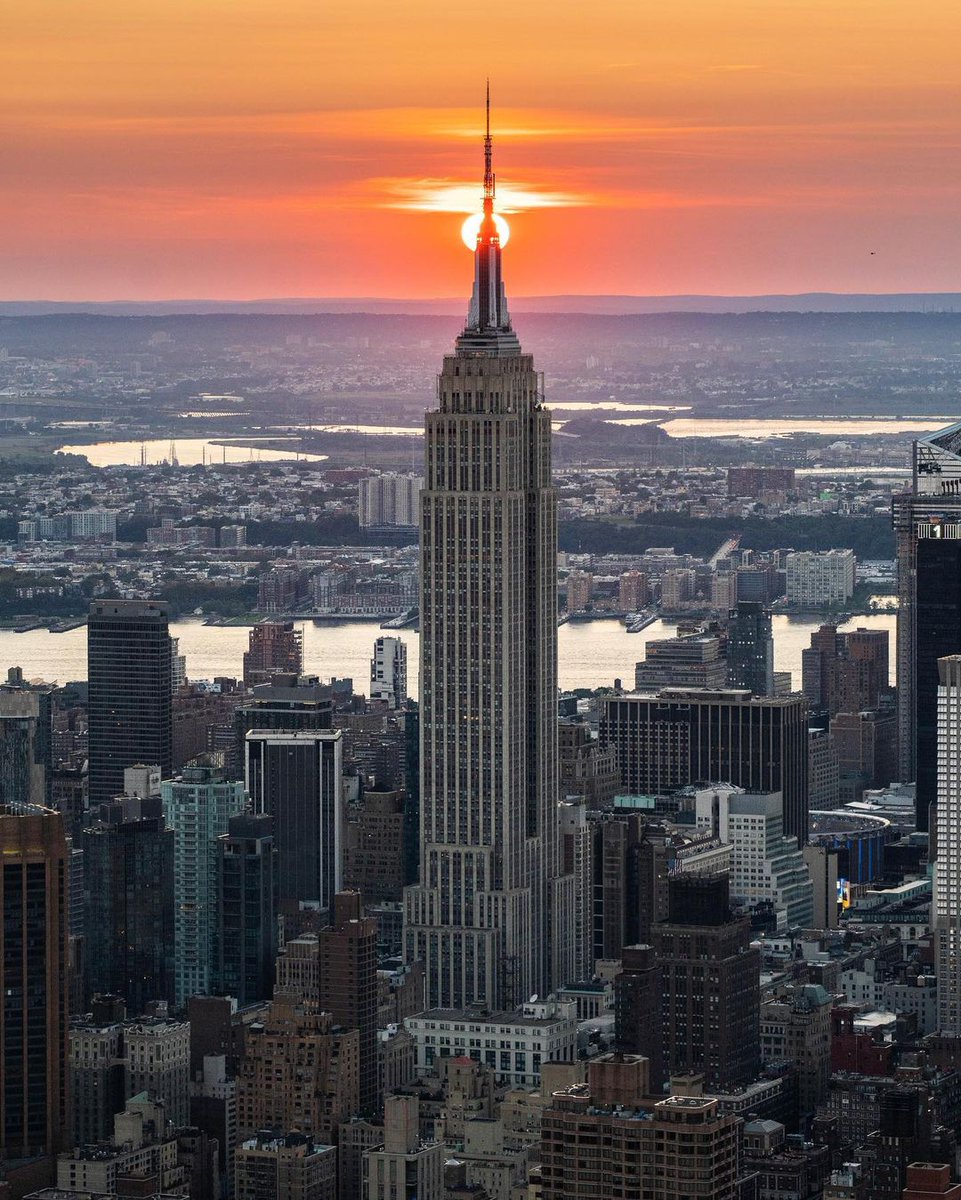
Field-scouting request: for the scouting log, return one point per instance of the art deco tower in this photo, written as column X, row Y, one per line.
column 490, row 915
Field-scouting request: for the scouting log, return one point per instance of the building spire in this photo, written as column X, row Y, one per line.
column 488, row 159
column 488, row 326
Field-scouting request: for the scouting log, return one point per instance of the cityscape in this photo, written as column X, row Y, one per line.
column 513, row 756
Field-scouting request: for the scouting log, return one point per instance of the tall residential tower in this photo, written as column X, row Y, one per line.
column 489, row 916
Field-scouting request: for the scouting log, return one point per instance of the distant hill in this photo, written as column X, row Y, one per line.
column 837, row 302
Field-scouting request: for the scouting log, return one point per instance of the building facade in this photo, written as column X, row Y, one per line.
column 765, row 866
column 693, row 660
column 129, row 906
column 129, row 672
column 245, row 938
column 388, row 672
column 845, row 672
column 489, row 917
column 197, row 805
column 946, row 904
column 679, row 736
column 406, row 1164
column 274, row 647
column 389, row 501
column 299, row 1071
column 815, row 579
column 513, row 1044
column 295, row 777
column 34, row 984
column 710, row 985
column 292, row 1167
column 927, row 529
column 609, row 1138
column 750, row 648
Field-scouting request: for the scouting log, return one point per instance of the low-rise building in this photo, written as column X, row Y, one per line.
column 513, row 1044
column 144, row 1146
column 292, row 1167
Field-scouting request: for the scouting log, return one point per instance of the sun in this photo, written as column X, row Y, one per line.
column 471, row 227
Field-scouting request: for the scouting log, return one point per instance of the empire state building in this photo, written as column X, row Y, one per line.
column 491, row 916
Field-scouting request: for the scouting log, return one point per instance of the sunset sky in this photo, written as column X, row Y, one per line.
column 263, row 148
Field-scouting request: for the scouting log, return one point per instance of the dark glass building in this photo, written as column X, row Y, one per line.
column 34, row 983
column 938, row 635
column 246, row 932
column 678, row 736
column 294, row 775
column 129, row 674
column 927, row 528
column 288, row 702
column 129, row 905
column 750, row 648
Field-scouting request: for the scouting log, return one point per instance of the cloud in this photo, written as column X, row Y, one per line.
column 448, row 196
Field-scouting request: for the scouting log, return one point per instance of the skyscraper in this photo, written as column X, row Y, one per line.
column 246, row 910
column 678, row 736
column 34, row 981
column 750, row 648
column 287, row 702
column 198, row 805
column 295, row 776
column 347, row 979
column 486, row 917
column 129, row 672
column 927, row 527
column 128, row 905
column 710, row 984
column 946, row 905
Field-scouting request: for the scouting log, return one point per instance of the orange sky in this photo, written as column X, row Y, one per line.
column 256, row 148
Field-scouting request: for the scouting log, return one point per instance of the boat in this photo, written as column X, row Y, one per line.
column 635, row 622
column 402, row 620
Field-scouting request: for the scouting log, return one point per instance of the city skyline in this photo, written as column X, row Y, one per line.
column 169, row 155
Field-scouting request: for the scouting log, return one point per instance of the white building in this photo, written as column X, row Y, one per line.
column 818, row 578
column 388, row 672
column 93, row 524
column 765, row 865
column 389, row 500
column 946, row 903
column 512, row 1044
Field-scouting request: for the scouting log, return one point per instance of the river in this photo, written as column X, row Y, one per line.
column 590, row 654
column 194, row 451
column 189, row 452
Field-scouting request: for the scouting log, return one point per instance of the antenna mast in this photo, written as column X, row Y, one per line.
column 488, row 159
